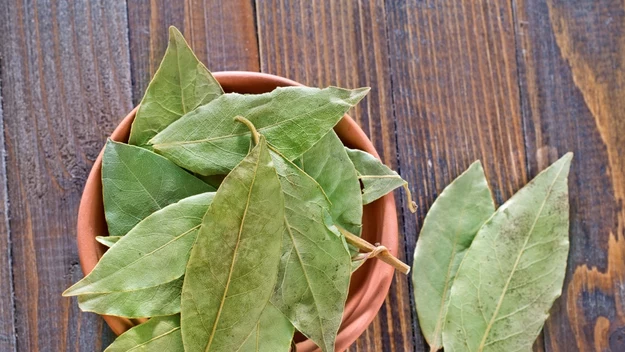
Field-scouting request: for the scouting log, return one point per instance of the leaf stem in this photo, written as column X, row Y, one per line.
column 412, row 205
column 380, row 252
column 250, row 125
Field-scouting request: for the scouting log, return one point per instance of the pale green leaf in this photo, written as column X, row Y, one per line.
column 233, row 266
column 328, row 163
column 160, row 334
column 108, row 241
column 209, row 141
column 273, row 333
column 315, row 267
column 447, row 232
column 153, row 253
column 514, row 269
column 157, row 300
column 377, row 179
column 137, row 182
column 180, row 85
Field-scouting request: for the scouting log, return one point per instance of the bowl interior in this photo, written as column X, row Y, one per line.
column 369, row 284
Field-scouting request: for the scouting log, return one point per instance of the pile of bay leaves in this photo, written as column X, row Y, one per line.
column 224, row 212
column 484, row 279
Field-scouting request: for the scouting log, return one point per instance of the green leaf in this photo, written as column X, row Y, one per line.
column 233, row 266
column 513, row 270
column 315, row 267
column 377, row 179
column 157, row 334
column 137, row 182
column 153, row 253
column 273, row 333
column 180, row 85
column 108, row 241
column 209, row 141
column 447, row 232
column 137, row 303
column 328, row 163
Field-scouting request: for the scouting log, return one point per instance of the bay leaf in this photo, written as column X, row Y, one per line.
column 209, row 141
column 233, row 266
column 108, row 241
column 153, row 253
column 377, row 179
column 152, row 301
column 273, row 333
column 447, row 232
column 315, row 266
column 514, row 269
column 157, row 334
column 181, row 84
column 137, row 182
column 328, row 163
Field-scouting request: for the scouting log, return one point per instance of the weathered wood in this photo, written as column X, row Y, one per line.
column 7, row 301
column 571, row 56
column 65, row 85
column 222, row 34
column 456, row 99
column 344, row 43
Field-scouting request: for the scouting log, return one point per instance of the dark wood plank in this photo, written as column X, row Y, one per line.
column 344, row 43
column 222, row 34
column 456, row 99
column 572, row 74
column 7, row 318
column 65, row 85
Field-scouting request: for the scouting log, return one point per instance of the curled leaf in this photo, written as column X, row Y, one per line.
column 108, row 241
column 447, row 232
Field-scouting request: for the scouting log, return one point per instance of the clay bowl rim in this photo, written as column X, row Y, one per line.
column 370, row 284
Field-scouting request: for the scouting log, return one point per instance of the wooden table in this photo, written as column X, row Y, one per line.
column 515, row 83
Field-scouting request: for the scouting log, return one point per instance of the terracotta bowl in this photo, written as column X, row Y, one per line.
column 369, row 285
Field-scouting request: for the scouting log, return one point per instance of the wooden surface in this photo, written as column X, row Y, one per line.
column 514, row 83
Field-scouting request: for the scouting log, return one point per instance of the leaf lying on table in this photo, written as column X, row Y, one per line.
column 513, row 270
column 316, row 266
column 153, row 253
column 327, row 162
column 208, row 141
column 137, row 182
column 377, row 179
column 181, row 84
column 273, row 333
column 108, row 241
column 151, row 301
column 233, row 266
column 447, row 232
column 157, row 334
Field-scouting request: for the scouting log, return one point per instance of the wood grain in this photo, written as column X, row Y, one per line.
column 344, row 43
column 456, row 99
column 65, row 85
column 572, row 74
column 222, row 34
column 7, row 301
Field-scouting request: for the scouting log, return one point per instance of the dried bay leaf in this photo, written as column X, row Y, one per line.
column 137, row 182
column 181, row 84
column 514, row 269
column 315, row 266
column 377, row 179
column 328, row 163
column 153, row 253
column 447, row 232
column 108, row 241
column 152, row 301
column 157, row 334
column 208, row 141
column 233, row 267
column 273, row 333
